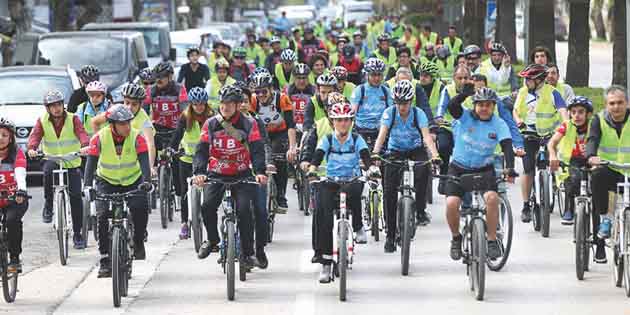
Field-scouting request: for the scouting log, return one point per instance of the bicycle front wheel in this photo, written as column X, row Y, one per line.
column 478, row 261
column 62, row 230
column 195, row 217
column 405, row 224
column 505, row 229
column 545, row 203
column 163, row 192
column 9, row 280
column 342, row 260
column 374, row 204
column 625, row 247
column 581, row 235
column 117, row 250
column 231, row 256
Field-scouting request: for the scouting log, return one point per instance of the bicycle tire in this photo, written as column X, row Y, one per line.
column 618, row 267
column 94, row 223
column 170, row 195
column 163, row 195
column 545, row 206
column 271, row 222
column 85, row 226
column 231, row 257
column 9, row 282
column 195, row 217
column 429, row 193
column 536, row 217
column 242, row 269
column 406, row 225
column 478, row 261
column 561, row 199
column 342, row 260
column 62, row 233
column 626, row 244
column 117, row 243
column 374, row 204
column 506, row 222
column 581, row 236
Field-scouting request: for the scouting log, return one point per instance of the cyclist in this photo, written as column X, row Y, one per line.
column 96, row 104
column 426, row 37
column 429, row 54
column 445, row 62
column 147, row 81
column 318, row 65
column 345, row 87
column 342, row 41
column 472, row 53
column 397, row 28
column 283, row 71
column 553, row 78
column 263, row 42
column 119, row 158
column 538, row 107
column 568, row 145
column 352, row 63
column 14, row 183
column 540, row 55
column 342, row 151
column 420, row 99
column 309, row 46
column 453, row 42
column 275, row 109
column 432, row 86
column 477, row 133
column 608, row 140
column 239, row 69
column 406, row 131
column 408, row 39
column 498, row 70
column 254, row 54
column 360, row 47
column 87, row 74
column 220, row 50
column 404, row 60
column 274, row 56
column 316, row 107
column 370, row 100
column 186, row 137
column 230, row 147
column 385, row 52
column 193, row 73
column 300, row 93
column 219, row 80
column 60, row 133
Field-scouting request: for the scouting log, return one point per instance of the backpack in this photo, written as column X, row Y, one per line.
column 415, row 121
column 332, row 150
column 383, row 88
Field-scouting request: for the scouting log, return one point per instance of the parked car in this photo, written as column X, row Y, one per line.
column 22, row 91
column 118, row 55
column 156, row 37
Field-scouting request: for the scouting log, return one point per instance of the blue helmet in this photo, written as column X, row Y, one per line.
column 581, row 101
column 198, row 94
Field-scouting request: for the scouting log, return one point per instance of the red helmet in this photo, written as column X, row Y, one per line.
column 340, row 110
column 534, row 71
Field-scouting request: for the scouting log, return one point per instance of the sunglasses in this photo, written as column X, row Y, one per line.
column 301, row 78
column 239, row 57
column 261, row 92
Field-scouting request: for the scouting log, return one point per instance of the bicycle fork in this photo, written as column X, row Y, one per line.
column 343, row 219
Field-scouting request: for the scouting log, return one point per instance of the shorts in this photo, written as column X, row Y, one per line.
column 453, row 188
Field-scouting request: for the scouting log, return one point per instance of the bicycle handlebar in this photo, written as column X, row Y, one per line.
column 118, row 196
column 231, row 182
column 63, row 158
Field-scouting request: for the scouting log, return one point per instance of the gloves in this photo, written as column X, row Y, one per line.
column 146, row 187
column 468, row 89
column 436, row 162
column 21, row 193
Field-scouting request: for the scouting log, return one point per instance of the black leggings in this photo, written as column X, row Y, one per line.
column 603, row 180
column 280, row 145
column 445, row 148
column 185, row 171
column 15, row 212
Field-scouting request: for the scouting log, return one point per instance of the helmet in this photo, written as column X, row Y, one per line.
column 497, row 47
column 326, row 79
column 241, row 85
column 263, row 39
column 221, row 64
column 301, row 69
column 133, row 91
column 308, row 29
column 262, row 80
column 384, row 37
column 288, row 55
column 472, row 51
column 357, row 33
column 239, row 52
column 429, row 46
column 6, row 123
column 403, row 91
column 340, row 110
column 96, row 86
column 274, row 40
column 534, row 71
column 295, row 29
column 581, row 101
column 485, row 94
column 192, row 50
column 52, row 97
column 374, row 65
column 119, row 113
column 162, row 69
column 343, row 37
column 335, row 97
column 230, row 93
column 430, row 68
column 443, row 52
column 340, row 73
column 348, row 51
column 260, row 70
column 198, row 94
column 146, row 74
column 89, row 73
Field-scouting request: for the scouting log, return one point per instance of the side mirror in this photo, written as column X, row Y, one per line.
column 143, row 64
column 172, row 54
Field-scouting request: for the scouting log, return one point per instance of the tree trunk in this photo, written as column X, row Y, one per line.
column 619, row 44
column 91, row 11
column 578, row 59
column 474, row 19
column 20, row 15
column 541, row 31
column 137, row 9
column 598, row 19
column 506, row 26
column 61, row 11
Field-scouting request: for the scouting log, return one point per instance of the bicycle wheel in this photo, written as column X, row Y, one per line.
column 581, row 235
column 560, row 199
column 430, row 189
column 195, row 217
column 374, row 204
column 163, row 195
column 62, row 231
column 171, row 195
column 231, row 256
column 545, row 205
column 118, row 243
column 342, row 260
column 94, row 224
column 625, row 248
column 505, row 230
column 85, row 227
column 406, row 225
column 242, row 269
column 478, row 261
column 9, row 280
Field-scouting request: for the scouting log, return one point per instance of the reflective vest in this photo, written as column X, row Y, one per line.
column 88, row 118
column 119, row 170
column 189, row 142
column 254, row 54
column 282, row 80
column 452, row 92
column 323, row 129
column 455, row 46
column 446, row 68
column 348, row 88
column 140, row 120
column 390, row 60
column 319, row 110
column 547, row 117
column 434, row 98
column 424, row 41
column 215, row 87
column 66, row 143
column 502, row 88
column 566, row 145
column 612, row 147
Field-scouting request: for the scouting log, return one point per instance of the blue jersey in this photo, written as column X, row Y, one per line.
column 342, row 160
column 404, row 135
column 476, row 140
column 371, row 106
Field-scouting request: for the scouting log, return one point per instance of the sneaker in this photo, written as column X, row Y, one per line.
column 206, row 248
column 47, row 215
column 526, row 215
column 361, row 236
column 600, row 252
column 263, row 262
column 494, row 250
column 184, row 232
column 389, row 247
column 316, row 259
column 423, row 219
column 79, row 242
column 15, row 266
column 604, row 228
column 567, row 218
column 138, row 252
column 105, row 269
column 456, row 247
column 283, row 207
column 249, row 262
column 325, row 274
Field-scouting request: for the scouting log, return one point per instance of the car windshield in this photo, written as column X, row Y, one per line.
column 182, row 48
column 152, row 42
column 13, row 90
column 108, row 54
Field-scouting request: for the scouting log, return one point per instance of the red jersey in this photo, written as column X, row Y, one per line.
column 8, row 182
column 579, row 148
column 166, row 105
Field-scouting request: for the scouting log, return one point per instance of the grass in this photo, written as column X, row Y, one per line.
column 596, row 95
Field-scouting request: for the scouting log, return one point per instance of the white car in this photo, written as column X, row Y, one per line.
column 182, row 41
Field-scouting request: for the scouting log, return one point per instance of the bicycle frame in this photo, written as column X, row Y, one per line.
column 344, row 218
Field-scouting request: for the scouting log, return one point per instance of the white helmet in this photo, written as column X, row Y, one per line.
column 96, row 86
column 404, row 91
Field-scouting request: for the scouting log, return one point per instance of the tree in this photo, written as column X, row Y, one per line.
column 619, row 44
column 474, row 19
column 541, row 31
column 506, row 25
column 578, row 59
column 91, row 11
column 598, row 19
column 61, row 10
column 20, row 15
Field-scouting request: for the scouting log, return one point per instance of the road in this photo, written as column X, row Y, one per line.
column 538, row 279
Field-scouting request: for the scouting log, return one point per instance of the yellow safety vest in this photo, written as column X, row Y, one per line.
column 455, row 46
column 140, row 120
column 434, row 98
column 282, row 80
column 390, row 60
column 319, row 111
column 566, row 145
column 424, row 41
column 547, row 117
column 348, row 88
column 66, row 143
column 119, row 170
column 189, row 142
column 503, row 88
column 452, row 92
column 323, row 129
column 612, row 147
column 215, row 87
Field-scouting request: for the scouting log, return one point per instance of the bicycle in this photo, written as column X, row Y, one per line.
column 372, row 208
column 9, row 279
column 343, row 242
column 302, row 185
column 505, row 224
column 89, row 219
column 540, row 199
column 272, row 196
column 166, row 189
column 195, row 199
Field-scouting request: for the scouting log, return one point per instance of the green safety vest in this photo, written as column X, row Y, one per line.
column 87, row 119
column 561, row 88
column 282, row 80
column 410, row 43
column 390, row 60
column 446, row 69
column 140, row 120
column 189, row 142
column 348, row 88
column 565, row 147
column 312, row 78
column 424, row 41
column 215, row 87
column 319, row 110
column 452, row 92
column 502, row 89
column 212, row 61
column 455, row 46
column 254, row 54
column 612, row 147
column 323, row 129
column 547, row 117
column 434, row 98
column 399, row 31
column 119, row 170
column 66, row 143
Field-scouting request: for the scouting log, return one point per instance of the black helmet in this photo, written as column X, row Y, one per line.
column 89, row 73
column 348, row 51
column 119, row 113
column 133, row 91
column 230, row 93
column 162, row 69
column 301, row 69
column 581, row 101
